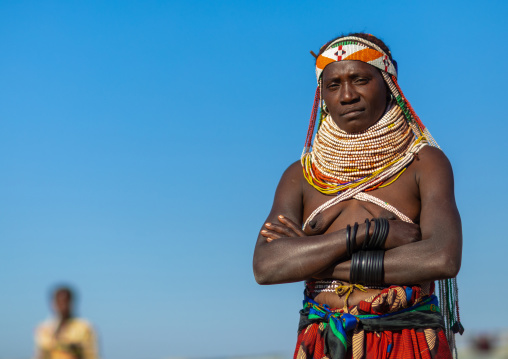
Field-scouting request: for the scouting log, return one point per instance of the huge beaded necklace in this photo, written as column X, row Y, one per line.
column 347, row 164
column 341, row 160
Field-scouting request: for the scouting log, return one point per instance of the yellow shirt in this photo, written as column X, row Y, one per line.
column 76, row 340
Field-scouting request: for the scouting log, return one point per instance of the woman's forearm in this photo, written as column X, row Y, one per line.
column 409, row 264
column 293, row 259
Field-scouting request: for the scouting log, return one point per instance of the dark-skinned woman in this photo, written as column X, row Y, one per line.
column 367, row 218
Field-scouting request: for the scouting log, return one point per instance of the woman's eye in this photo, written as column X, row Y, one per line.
column 361, row 80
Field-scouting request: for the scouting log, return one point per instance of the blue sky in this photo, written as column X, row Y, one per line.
column 141, row 143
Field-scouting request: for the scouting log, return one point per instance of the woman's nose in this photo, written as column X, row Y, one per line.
column 348, row 93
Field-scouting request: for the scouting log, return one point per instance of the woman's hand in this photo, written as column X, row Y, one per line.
column 402, row 233
column 285, row 228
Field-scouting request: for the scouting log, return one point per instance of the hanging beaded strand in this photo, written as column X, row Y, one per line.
column 312, row 122
column 447, row 288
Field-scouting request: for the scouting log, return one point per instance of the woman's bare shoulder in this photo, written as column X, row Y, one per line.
column 288, row 195
column 433, row 160
column 433, row 155
column 293, row 173
column 434, row 173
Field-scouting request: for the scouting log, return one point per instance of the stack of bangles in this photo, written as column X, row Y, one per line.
column 367, row 264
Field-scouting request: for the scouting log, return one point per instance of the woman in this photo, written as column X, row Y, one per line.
column 367, row 217
column 66, row 336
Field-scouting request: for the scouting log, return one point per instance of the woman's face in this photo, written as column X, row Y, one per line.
column 355, row 94
column 62, row 304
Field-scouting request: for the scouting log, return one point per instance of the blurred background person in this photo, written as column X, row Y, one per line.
column 65, row 336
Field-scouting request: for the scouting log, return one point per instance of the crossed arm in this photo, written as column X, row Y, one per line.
column 414, row 254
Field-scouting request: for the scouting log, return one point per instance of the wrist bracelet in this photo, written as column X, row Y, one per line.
column 384, row 233
column 353, row 237
column 375, row 234
column 353, row 270
column 379, row 235
column 367, row 268
column 348, row 240
column 367, row 237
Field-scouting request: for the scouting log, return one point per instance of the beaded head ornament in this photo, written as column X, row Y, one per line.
column 356, row 48
column 335, row 162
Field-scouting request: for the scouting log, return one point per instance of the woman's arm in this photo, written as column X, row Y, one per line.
column 283, row 252
column 438, row 255
column 90, row 350
column 292, row 257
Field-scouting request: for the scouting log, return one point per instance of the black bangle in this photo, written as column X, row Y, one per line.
column 375, row 234
column 386, row 229
column 379, row 234
column 352, row 268
column 366, row 240
column 356, row 264
column 382, row 233
column 367, row 268
column 363, row 264
column 372, row 268
column 353, row 237
column 380, row 270
column 348, row 240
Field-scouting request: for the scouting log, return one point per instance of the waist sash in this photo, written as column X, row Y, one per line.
column 425, row 314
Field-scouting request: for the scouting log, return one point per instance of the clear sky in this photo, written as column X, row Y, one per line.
column 141, row 143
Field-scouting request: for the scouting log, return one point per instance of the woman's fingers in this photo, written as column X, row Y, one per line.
column 402, row 233
column 286, row 228
column 281, row 228
column 270, row 235
column 294, row 227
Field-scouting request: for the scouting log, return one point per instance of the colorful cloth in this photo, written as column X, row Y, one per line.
column 399, row 322
column 75, row 340
column 402, row 344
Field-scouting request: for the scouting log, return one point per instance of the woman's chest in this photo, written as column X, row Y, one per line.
column 398, row 200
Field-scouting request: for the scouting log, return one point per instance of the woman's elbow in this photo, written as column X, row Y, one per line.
column 262, row 274
column 261, row 279
column 264, row 265
column 449, row 266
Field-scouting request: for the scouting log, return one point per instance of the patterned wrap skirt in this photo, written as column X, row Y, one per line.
column 399, row 322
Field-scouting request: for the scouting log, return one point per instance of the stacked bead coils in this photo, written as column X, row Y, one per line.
column 341, row 160
column 367, row 264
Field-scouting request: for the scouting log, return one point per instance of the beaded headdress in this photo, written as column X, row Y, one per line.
column 356, row 48
column 350, row 48
column 342, row 170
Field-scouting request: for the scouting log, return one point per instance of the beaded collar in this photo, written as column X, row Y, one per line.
column 340, row 160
